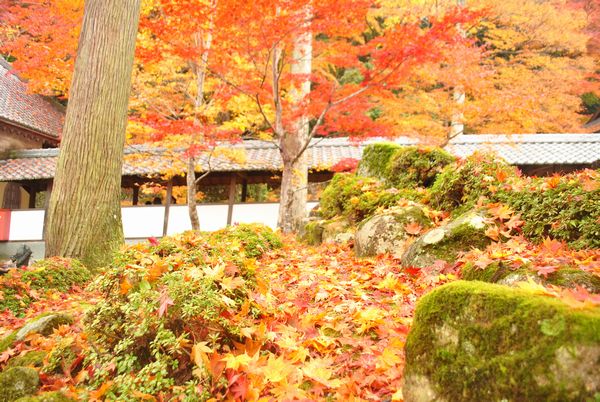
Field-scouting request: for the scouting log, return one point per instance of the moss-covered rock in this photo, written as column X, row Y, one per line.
column 18, row 382
column 473, row 341
column 446, row 242
column 47, row 397
column 44, row 324
column 33, row 358
column 386, row 233
column 311, row 232
column 375, row 159
column 337, row 230
column 411, row 167
column 503, row 274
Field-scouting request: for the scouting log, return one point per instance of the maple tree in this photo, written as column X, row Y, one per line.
column 310, row 77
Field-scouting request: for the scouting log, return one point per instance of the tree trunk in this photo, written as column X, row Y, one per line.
column 294, row 180
column 84, row 216
column 191, row 193
column 199, row 70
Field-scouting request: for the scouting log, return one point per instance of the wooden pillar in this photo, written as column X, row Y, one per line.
column 232, row 188
column 244, row 190
column 32, row 196
column 46, row 205
column 167, row 206
column 136, row 195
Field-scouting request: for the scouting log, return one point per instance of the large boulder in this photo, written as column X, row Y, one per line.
column 18, row 382
column 387, row 232
column 446, row 242
column 474, row 341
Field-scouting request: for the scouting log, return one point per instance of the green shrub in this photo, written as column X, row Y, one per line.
column 565, row 211
column 357, row 198
column 416, row 166
column 157, row 305
column 50, row 274
column 460, row 185
column 375, row 159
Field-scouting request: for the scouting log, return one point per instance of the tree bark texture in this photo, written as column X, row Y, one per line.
column 294, row 180
column 84, row 216
column 191, row 193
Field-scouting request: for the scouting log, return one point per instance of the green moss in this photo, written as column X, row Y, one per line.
column 56, row 273
column 563, row 277
column 446, row 242
column 33, row 358
column 8, row 341
column 478, row 341
column 47, row 397
column 375, row 159
column 462, row 238
column 312, row 233
column 18, row 382
column 416, row 166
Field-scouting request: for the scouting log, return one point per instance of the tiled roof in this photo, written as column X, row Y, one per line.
column 529, row 149
column 532, row 149
column 21, row 108
column 147, row 160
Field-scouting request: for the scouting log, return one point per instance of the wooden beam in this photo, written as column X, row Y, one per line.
column 32, row 197
column 136, row 195
column 167, row 206
column 232, row 188
column 244, row 190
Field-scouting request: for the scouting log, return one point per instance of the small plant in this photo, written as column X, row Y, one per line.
column 461, row 185
column 160, row 308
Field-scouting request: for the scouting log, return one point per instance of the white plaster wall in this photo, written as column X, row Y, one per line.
column 147, row 221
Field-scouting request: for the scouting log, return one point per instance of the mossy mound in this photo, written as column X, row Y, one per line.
column 49, row 274
column 474, row 341
column 47, row 397
column 411, row 167
column 357, row 198
column 254, row 239
column 386, row 232
column 337, row 230
column 34, row 358
column 375, row 159
column 460, row 185
column 18, row 382
column 498, row 272
column 446, row 242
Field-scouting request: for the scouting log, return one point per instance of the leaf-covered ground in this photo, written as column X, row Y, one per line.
column 324, row 324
